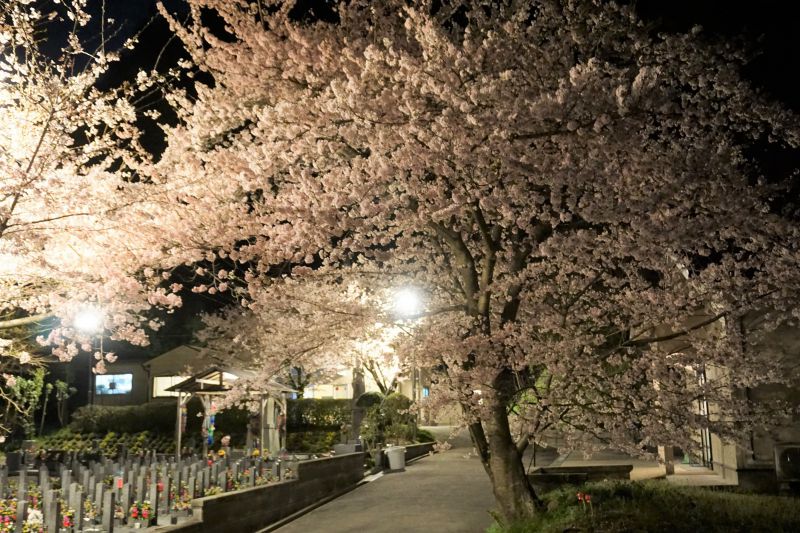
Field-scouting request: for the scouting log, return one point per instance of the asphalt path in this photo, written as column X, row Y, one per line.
column 447, row 492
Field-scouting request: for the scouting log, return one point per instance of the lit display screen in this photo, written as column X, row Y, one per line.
column 113, row 383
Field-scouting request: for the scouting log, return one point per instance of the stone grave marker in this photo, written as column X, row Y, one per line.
column 22, row 489
column 109, row 506
column 154, row 503
column 125, row 500
column 22, row 515
column 76, row 504
column 52, row 511
column 3, row 481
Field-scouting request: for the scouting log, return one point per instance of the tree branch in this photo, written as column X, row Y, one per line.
column 464, row 262
column 675, row 335
column 24, row 321
column 489, row 260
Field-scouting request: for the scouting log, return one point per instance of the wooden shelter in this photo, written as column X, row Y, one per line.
column 217, row 381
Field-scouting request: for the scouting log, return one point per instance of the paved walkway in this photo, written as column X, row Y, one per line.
column 448, row 492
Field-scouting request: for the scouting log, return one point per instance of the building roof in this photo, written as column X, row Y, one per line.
column 188, row 359
column 218, row 380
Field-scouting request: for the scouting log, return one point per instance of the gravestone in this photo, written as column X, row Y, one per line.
column 154, row 503
column 22, row 489
column 191, row 487
column 109, row 506
column 22, row 515
column 140, row 487
column 125, row 500
column 44, row 479
column 99, row 488
column 52, row 514
column 66, row 479
column 76, row 504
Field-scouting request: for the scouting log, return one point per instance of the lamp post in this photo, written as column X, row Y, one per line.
column 89, row 320
column 408, row 305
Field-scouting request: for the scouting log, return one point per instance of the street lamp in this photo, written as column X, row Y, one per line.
column 89, row 320
column 407, row 302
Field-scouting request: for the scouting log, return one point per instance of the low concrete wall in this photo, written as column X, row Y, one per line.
column 761, row 480
column 549, row 478
column 248, row 510
column 415, row 450
column 412, row 452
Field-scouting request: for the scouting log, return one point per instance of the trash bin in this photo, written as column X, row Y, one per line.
column 397, row 457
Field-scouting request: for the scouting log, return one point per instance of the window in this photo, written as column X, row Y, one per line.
column 162, row 383
column 426, row 392
column 113, row 384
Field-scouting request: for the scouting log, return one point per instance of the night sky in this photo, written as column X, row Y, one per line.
column 768, row 25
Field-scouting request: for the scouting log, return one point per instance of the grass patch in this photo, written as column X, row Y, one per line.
column 657, row 506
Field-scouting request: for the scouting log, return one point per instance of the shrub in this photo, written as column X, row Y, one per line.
column 651, row 506
column 318, row 414
column 389, row 421
column 109, row 444
column 369, row 399
column 311, row 441
column 155, row 417
column 423, row 435
column 158, row 417
column 396, row 406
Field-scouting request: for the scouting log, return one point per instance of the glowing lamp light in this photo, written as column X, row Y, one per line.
column 88, row 320
column 407, row 302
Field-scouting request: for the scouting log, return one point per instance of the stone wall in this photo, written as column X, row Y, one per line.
column 248, row 510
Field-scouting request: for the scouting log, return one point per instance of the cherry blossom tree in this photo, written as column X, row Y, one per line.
column 572, row 193
column 68, row 239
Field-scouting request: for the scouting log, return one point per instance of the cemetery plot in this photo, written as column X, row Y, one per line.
column 124, row 494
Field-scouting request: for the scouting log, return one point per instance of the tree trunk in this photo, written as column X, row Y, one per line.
column 513, row 492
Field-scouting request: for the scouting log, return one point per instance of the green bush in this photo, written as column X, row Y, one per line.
column 389, row 421
column 658, row 506
column 423, row 435
column 108, row 444
column 157, row 417
column 318, row 414
column 396, row 412
column 311, row 441
column 368, row 399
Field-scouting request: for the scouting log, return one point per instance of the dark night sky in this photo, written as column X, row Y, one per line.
column 769, row 25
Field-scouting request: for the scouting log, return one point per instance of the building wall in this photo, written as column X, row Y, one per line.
column 757, row 455
column 340, row 387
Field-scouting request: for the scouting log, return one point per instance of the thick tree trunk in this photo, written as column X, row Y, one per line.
column 513, row 492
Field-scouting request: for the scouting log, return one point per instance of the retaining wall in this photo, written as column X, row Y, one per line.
column 248, row 510
column 415, row 450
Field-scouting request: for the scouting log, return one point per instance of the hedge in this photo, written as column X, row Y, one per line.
column 311, row 441
column 157, row 418
column 318, row 414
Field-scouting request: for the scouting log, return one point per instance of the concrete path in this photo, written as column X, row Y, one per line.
column 448, row 492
